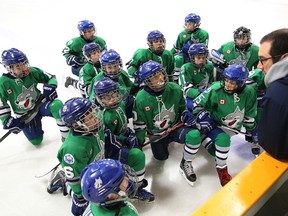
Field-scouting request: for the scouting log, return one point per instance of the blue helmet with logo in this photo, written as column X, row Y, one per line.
column 84, row 25
column 13, row 57
column 237, row 73
column 194, row 18
column 101, row 178
column 155, row 36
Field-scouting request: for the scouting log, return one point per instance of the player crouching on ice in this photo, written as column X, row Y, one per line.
column 228, row 103
column 160, row 107
column 19, row 88
column 106, row 185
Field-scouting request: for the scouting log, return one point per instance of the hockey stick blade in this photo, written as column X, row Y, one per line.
column 54, row 168
column 234, row 130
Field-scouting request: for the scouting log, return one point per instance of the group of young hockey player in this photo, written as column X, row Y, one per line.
column 188, row 95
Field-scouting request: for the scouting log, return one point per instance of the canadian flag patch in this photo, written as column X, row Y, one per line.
column 9, row 91
column 228, row 51
column 115, row 122
column 147, row 108
column 222, row 101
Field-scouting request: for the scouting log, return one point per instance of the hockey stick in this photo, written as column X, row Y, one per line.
column 28, row 116
column 162, row 135
column 234, row 130
column 54, row 168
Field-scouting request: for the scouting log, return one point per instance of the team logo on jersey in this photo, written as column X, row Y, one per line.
column 24, row 100
column 222, row 101
column 9, row 91
column 98, row 183
column 147, row 108
column 162, row 119
column 234, row 119
column 228, row 51
column 69, row 159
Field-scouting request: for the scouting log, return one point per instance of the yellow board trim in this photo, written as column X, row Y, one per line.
column 246, row 193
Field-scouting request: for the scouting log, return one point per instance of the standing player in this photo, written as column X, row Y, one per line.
column 73, row 49
column 156, row 52
column 19, row 88
column 158, row 107
column 196, row 75
column 106, row 185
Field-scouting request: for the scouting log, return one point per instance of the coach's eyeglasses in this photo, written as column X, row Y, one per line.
column 263, row 60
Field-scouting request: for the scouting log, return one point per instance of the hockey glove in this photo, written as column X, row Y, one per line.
column 131, row 141
column 14, row 125
column 189, row 104
column 75, row 61
column 78, row 205
column 218, row 60
column 188, row 118
column 254, row 136
column 49, row 92
column 205, row 122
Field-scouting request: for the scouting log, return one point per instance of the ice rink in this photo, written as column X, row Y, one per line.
column 41, row 28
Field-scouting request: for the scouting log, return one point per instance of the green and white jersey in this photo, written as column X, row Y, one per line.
column 248, row 58
column 230, row 109
column 126, row 85
column 127, row 210
column 115, row 119
column 156, row 114
column 200, row 78
column 256, row 80
column 87, row 73
column 75, row 45
column 144, row 55
column 76, row 153
column 198, row 36
column 21, row 93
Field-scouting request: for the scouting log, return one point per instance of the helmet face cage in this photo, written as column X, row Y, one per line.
column 110, row 99
column 242, row 33
column 111, row 64
column 155, row 83
column 102, row 178
column 153, row 38
column 198, row 50
column 85, row 25
column 91, row 48
column 192, row 22
column 238, row 74
column 90, row 122
column 16, row 63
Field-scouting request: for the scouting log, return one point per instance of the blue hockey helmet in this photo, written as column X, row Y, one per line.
column 107, row 93
column 154, row 36
column 111, row 63
column 16, row 62
column 81, row 115
column 237, row 73
column 198, row 49
column 153, row 75
column 89, row 48
column 242, row 33
column 84, row 25
column 104, row 177
column 192, row 18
